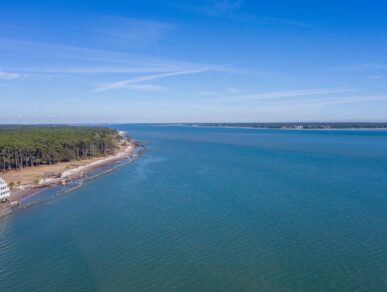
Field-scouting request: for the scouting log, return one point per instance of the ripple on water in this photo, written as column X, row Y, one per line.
column 215, row 211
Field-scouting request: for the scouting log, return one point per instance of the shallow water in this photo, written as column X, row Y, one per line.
column 214, row 209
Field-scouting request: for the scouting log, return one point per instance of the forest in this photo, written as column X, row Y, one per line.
column 27, row 146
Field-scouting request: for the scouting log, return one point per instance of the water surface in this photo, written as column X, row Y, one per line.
column 212, row 209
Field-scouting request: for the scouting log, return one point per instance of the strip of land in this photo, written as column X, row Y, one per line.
column 301, row 125
column 31, row 179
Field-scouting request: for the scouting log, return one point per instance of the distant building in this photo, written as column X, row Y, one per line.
column 4, row 190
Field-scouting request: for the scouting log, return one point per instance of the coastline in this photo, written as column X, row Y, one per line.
column 297, row 129
column 65, row 173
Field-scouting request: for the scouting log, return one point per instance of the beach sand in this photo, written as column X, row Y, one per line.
column 32, row 180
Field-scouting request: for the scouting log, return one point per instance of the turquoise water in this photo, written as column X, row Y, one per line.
column 210, row 209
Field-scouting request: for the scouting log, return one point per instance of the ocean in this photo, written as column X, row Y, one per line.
column 214, row 209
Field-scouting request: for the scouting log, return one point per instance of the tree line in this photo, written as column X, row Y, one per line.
column 304, row 125
column 26, row 146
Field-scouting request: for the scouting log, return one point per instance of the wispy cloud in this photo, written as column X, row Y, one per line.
column 90, row 69
column 359, row 67
column 145, row 87
column 230, row 90
column 130, row 82
column 350, row 99
column 52, row 59
column 105, row 30
column 8, row 75
column 282, row 94
column 215, row 7
column 22, row 116
column 133, row 32
column 229, row 9
column 264, row 20
column 205, row 92
column 225, row 5
column 286, row 21
column 376, row 77
column 326, row 101
column 233, row 90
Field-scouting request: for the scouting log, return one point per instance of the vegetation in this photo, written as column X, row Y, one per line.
column 26, row 146
column 300, row 125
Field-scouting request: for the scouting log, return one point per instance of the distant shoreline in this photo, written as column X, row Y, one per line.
column 294, row 129
column 294, row 126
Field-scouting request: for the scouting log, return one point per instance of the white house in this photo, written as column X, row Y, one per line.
column 4, row 190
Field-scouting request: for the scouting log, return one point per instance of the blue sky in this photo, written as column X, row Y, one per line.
column 192, row 61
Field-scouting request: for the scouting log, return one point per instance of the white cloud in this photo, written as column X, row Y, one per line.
column 133, row 32
column 349, row 99
column 105, row 69
column 8, row 75
column 316, row 103
column 208, row 92
column 287, row 21
column 360, row 67
column 376, row 77
column 216, row 7
column 130, row 82
column 224, row 5
column 233, row 90
column 145, row 87
column 282, row 94
column 63, row 59
column 229, row 9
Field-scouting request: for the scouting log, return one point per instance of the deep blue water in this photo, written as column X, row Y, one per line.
column 211, row 209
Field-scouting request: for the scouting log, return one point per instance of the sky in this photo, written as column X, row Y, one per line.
column 94, row 61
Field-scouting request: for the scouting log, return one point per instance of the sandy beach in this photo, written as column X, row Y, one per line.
column 34, row 179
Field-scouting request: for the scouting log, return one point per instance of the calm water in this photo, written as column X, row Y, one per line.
column 214, row 209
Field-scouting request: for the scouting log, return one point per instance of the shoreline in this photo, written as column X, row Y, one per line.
column 299, row 129
column 69, row 172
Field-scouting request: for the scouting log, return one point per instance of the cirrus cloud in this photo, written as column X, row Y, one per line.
column 134, row 83
column 8, row 75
